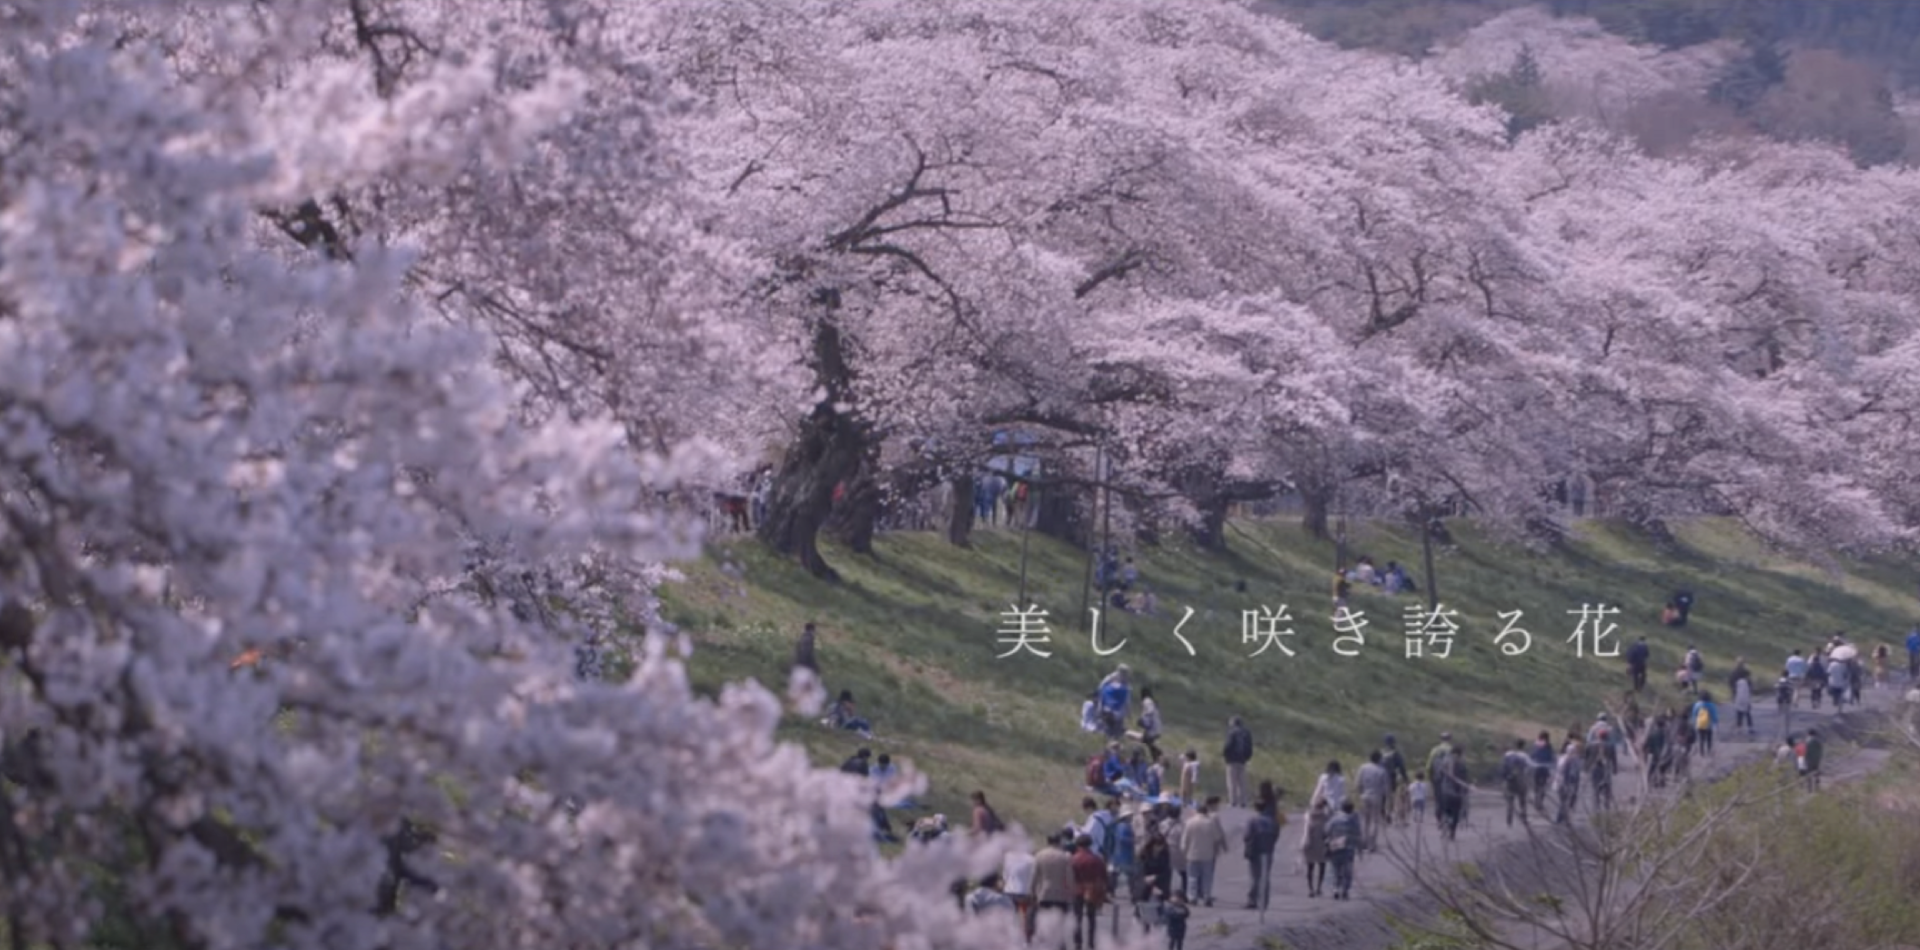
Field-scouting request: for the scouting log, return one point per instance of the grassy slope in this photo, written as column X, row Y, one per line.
column 912, row 633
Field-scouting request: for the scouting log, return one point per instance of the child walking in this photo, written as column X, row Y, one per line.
column 1175, row 916
column 1189, row 778
column 1419, row 792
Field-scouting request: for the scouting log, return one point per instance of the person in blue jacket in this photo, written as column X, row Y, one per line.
column 1115, row 697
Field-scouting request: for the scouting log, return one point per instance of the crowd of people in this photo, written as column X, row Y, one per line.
column 1151, row 846
column 1152, row 841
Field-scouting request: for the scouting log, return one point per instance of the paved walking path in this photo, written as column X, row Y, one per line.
column 1228, row 926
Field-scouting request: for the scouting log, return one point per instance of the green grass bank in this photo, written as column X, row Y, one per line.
column 913, row 632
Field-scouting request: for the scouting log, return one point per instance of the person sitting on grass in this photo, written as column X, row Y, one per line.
column 843, row 716
column 1090, row 713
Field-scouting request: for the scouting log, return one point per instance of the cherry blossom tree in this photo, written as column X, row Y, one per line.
column 213, row 441
column 1708, row 303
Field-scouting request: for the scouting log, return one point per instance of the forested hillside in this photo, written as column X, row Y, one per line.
column 1666, row 72
column 1887, row 33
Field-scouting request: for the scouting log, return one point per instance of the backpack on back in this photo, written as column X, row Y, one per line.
column 1096, row 772
column 1703, row 719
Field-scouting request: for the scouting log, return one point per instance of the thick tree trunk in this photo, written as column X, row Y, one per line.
column 1060, row 517
column 853, row 517
column 1211, row 533
column 1316, row 504
column 1426, row 561
column 829, row 449
column 960, row 512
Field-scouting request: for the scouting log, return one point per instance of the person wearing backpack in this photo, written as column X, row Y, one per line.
column 1696, row 665
column 1515, row 769
column 1706, row 717
column 1396, row 765
column 1099, row 826
column 1343, row 837
column 1237, row 752
column 1096, row 776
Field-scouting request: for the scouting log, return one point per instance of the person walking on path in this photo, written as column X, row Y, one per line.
column 1376, row 785
column 1175, row 832
column 1516, row 769
column 1740, row 672
column 1156, row 870
column 1811, row 752
column 1396, row 766
column 1783, row 703
column 1052, row 881
column 1638, row 656
column 1706, row 718
column 1016, row 879
column 1237, row 753
column 1089, row 891
column 1816, row 678
column 1913, row 654
column 1743, row 704
column 1437, row 752
column 1343, row 836
column 1654, row 750
column 1204, row 842
column 1543, row 759
column 1189, row 777
column 1313, row 847
column 1567, row 781
column 1176, row 914
column 1262, row 835
column 1331, row 788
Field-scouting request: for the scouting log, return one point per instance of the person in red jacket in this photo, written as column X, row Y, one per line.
column 1089, row 891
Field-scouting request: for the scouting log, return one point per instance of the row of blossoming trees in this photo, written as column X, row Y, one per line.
column 371, row 333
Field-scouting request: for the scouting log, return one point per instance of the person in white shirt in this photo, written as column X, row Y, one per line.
column 1090, row 713
column 1331, row 788
column 1016, row 881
